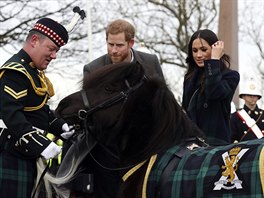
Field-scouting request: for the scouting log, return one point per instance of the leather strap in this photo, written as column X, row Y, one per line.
column 164, row 190
column 40, row 179
column 190, row 144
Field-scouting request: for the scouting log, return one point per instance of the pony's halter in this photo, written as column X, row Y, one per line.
column 83, row 115
column 123, row 95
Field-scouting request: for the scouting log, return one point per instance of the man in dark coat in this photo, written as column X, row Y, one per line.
column 248, row 123
column 150, row 62
column 24, row 115
column 120, row 40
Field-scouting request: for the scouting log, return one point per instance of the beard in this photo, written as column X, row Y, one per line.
column 120, row 58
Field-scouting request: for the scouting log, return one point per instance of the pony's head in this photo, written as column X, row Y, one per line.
column 138, row 113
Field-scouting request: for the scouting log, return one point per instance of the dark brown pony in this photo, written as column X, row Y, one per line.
column 140, row 114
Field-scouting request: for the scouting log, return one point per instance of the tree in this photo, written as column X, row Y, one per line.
column 251, row 34
column 16, row 22
column 252, row 27
column 165, row 26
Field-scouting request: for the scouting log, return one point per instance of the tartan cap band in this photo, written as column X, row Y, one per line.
column 53, row 30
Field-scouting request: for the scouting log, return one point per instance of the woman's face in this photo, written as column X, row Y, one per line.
column 201, row 51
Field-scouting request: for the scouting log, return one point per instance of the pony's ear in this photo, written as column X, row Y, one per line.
column 135, row 72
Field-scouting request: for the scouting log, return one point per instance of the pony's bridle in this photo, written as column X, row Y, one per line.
column 84, row 114
column 123, row 95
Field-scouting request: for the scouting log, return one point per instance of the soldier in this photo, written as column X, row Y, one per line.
column 248, row 123
column 24, row 113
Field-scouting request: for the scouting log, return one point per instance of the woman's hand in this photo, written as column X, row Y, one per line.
column 217, row 50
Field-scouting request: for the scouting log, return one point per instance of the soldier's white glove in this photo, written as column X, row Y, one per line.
column 51, row 151
column 69, row 131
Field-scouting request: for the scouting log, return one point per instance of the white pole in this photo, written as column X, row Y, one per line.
column 89, row 33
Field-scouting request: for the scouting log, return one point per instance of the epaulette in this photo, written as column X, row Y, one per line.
column 14, row 66
column 41, row 91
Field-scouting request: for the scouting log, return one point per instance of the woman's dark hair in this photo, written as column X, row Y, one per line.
column 211, row 38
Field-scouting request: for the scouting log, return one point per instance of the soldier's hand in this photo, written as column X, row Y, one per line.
column 51, row 151
column 68, row 131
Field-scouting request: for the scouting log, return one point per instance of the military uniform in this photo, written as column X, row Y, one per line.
column 25, row 116
column 24, row 94
column 239, row 127
column 248, row 123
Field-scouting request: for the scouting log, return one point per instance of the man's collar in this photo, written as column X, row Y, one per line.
column 132, row 55
column 249, row 110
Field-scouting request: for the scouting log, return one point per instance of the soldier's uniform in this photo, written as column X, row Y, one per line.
column 24, row 117
column 239, row 127
column 245, row 122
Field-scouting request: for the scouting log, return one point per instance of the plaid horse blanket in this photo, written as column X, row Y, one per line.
column 233, row 171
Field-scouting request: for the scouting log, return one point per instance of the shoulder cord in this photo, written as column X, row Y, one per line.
column 46, row 88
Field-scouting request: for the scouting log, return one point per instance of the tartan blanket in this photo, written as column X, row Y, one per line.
column 233, row 171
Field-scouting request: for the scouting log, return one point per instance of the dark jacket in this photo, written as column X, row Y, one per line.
column 149, row 62
column 210, row 107
column 239, row 127
column 23, row 106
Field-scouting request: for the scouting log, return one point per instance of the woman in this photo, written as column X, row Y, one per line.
column 209, row 86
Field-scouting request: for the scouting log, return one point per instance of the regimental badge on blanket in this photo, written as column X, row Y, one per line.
column 229, row 179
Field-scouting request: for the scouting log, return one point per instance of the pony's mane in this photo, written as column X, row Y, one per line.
column 151, row 120
column 111, row 73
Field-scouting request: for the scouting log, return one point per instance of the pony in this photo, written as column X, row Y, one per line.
column 162, row 151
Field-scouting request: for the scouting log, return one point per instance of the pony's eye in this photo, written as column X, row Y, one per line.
column 109, row 90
